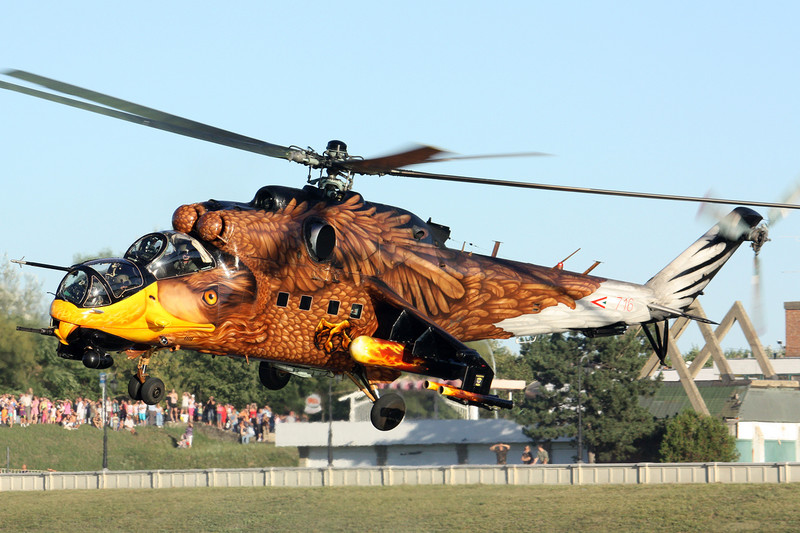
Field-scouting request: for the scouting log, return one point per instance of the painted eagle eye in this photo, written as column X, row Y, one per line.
column 210, row 296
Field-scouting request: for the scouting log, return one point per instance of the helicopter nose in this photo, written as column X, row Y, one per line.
column 139, row 318
column 63, row 331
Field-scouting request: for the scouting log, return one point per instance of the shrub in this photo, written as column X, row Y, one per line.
column 694, row 438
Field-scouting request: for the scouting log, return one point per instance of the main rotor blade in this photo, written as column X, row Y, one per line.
column 384, row 164
column 488, row 156
column 415, row 156
column 586, row 190
column 146, row 116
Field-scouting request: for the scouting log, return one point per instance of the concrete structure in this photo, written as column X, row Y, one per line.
column 385, row 476
column 412, row 443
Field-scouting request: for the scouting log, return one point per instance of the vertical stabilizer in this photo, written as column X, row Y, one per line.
column 681, row 281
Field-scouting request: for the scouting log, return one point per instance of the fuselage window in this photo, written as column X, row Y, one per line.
column 333, row 307
column 283, row 299
column 355, row 311
column 305, row 303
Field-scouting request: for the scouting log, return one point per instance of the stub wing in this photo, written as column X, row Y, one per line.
column 408, row 341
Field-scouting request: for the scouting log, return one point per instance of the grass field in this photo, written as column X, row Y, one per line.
column 52, row 447
column 423, row 508
column 765, row 507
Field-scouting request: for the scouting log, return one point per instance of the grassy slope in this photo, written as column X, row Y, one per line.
column 52, row 447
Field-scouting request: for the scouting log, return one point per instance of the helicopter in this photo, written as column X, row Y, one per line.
column 320, row 281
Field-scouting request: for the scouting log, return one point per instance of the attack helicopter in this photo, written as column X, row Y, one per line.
column 319, row 280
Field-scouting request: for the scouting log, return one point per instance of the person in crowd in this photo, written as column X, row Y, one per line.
column 184, row 416
column 246, row 431
column 541, row 456
column 172, row 405
column 221, row 415
column 187, row 437
column 501, row 451
column 527, row 455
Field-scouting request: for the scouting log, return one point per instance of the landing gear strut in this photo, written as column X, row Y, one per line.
column 659, row 339
column 387, row 411
column 142, row 387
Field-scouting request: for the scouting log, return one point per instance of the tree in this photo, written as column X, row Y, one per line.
column 694, row 438
column 614, row 425
column 21, row 304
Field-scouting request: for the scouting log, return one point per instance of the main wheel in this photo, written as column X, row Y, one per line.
column 388, row 411
column 135, row 388
column 152, row 391
column 271, row 377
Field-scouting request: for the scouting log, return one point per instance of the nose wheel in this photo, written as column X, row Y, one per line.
column 142, row 387
column 150, row 392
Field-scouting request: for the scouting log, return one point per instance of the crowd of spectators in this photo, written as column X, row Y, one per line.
column 250, row 423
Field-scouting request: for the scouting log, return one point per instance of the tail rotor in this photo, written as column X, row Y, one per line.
column 759, row 235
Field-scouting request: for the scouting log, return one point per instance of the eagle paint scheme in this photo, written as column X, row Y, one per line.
column 305, row 282
column 319, row 280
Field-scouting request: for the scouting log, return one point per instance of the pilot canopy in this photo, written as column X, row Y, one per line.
column 169, row 254
column 155, row 256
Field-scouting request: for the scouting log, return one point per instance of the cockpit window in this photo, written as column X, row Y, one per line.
column 170, row 254
column 121, row 276
column 97, row 283
column 147, row 248
column 98, row 295
column 73, row 287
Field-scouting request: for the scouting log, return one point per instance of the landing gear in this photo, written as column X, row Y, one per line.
column 388, row 411
column 659, row 339
column 135, row 388
column 271, row 377
column 150, row 390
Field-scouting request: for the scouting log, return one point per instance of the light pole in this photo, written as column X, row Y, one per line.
column 104, row 418
column 330, row 424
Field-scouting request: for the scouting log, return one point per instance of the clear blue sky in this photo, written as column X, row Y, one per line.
column 678, row 97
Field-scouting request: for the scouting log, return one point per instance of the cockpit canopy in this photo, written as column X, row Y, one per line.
column 100, row 282
column 161, row 255
column 169, row 254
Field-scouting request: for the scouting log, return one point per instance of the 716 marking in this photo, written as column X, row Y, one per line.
column 625, row 304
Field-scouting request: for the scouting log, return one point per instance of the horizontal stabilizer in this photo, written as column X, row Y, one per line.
column 678, row 312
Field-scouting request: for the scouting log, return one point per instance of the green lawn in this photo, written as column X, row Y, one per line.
column 411, row 508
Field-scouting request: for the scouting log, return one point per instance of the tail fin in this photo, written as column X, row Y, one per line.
column 681, row 281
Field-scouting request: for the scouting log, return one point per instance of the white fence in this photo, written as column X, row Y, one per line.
column 576, row 474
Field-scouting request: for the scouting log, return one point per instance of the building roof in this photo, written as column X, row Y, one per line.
column 770, row 405
column 739, row 399
column 787, row 366
column 409, row 432
column 720, row 398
